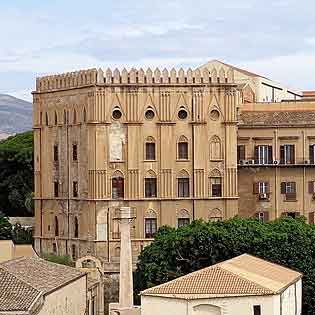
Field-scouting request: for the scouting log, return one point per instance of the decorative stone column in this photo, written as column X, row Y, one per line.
column 125, row 305
column 125, row 279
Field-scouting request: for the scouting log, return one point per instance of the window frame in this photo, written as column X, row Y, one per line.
column 183, row 187
column 150, row 151
column 150, row 187
column 150, row 224
column 182, row 150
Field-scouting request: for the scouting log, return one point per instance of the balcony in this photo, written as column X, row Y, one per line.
column 264, row 197
column 253, row 162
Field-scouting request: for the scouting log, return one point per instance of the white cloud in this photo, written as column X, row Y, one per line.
column 295, row 70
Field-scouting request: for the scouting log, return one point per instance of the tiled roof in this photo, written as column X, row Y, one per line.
column 276, row 118
column 42, row 275
column 15, row 294
column 241, row 276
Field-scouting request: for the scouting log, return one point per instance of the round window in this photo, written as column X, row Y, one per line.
column 116, row 114
column 214, row 114
column 149, row 114
column 182, row 114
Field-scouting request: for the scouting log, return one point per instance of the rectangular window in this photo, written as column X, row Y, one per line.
column 257, row 309
column 240, row 153
column 150, row 187
column 56, row 189
column 118, row 188
column 289, row 189
column 150, row 151
column 263, row 188
column 74, row 152
column 150, row 227
column 287, row 154
column 216, row 187
column 55, row 153
column 312, row 154
column 75, row 189
column 183, row 151
column 182, row 222
column 183, row 187
column 263, row 154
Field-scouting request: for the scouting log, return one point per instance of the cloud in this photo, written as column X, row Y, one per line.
column 57, row 36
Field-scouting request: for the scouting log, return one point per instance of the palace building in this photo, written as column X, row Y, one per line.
column 173, row 145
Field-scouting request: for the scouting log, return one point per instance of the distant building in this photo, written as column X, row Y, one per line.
column 276, row 159
column 308, row 95
column 254, row 87
column 9, row 250
column 243, row 285
column 34, row 286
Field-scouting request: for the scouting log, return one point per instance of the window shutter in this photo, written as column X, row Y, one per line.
column 256, row 153
column 283, row 187
column 292, row 153
column 312, row 153
column 266, row 216
column 294, row 187
column 311, row 187
column 267, row 188
column 241, row 152
column 282, row 154
column 256, row 188
column 311, row 218
column 269, row 154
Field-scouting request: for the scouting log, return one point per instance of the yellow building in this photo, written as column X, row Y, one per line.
column 276, row 160
column 163, row 143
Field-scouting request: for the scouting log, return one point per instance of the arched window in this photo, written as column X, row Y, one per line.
column 76, row 227
column 118, row 185
column 183, row 184
column 56, row 119
column 74, row 116
column 182, row 150
column 215, row 215
column 47, row 119
column 150, row 185
column 215, row 148
column 150, row 149
column 150, row 224
column 84, row 115
column 183, row 218
column 56, row 227
column 215, row 183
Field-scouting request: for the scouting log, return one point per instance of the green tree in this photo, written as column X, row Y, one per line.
column 176, row 252
column 16, row 175
column 5, row 228
column 20, row 235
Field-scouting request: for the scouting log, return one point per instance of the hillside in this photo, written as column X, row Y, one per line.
column 15, row 115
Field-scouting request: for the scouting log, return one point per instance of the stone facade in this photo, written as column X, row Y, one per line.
column 163, row 143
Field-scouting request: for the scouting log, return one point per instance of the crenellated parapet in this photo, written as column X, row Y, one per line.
column 66, row 80
column 134, row 76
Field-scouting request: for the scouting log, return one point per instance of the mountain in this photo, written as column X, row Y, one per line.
column 15, row 115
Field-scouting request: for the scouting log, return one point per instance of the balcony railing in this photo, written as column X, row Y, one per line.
column 251, row 161
column 264, row 197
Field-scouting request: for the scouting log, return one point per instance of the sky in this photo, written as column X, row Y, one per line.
column 38, row 37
